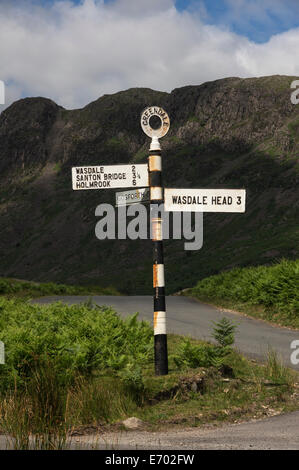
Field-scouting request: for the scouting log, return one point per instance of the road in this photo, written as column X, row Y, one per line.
column 187, row 316
column 276, row 433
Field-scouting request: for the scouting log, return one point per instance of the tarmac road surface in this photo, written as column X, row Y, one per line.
column 275, row 433
column 187, row 316
column 278, row 432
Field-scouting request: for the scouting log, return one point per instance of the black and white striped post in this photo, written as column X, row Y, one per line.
column 157, row 198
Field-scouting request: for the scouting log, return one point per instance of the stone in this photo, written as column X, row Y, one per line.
column 194, row 387
column 133, row 423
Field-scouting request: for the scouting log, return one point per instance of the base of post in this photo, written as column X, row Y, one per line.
column 161, row 356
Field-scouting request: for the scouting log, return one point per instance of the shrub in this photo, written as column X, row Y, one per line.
column 224, row 333
column 78, row 338
column 206, row 355
column 29, row 288
column 193, row 356
column 35, row 418
column 133, row 380
column 274, row 287
column 98, row 400
column 276, row 371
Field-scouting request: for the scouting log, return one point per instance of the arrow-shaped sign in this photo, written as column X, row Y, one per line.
column 134, row 196
column 109, row 176
column 205, row 200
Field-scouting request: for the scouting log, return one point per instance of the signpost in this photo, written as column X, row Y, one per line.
column 156, row 197
column 155, row 123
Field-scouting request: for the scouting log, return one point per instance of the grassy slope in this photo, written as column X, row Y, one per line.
column 254, row 390
column 267, row 292
column 28, row 289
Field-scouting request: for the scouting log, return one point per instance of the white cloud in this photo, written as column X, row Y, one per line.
column 74, row 54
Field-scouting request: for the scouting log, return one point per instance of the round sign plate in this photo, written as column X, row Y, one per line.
column 146, row 116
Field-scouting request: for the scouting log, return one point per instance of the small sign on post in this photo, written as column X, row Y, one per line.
column 135, row 196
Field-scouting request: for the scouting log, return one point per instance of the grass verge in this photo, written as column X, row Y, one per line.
column 240, row 391
column 28, row 289
column 42, row 417
column 267, row 292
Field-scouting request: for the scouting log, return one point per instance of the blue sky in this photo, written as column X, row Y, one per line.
column 75, row 51
column 258, row 20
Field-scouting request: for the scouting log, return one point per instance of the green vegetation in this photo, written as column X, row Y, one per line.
column 193, row 119
column 72, row 366
column 56, row 356
column 239, row 390
column 268, row 292
column 57, row 167
column 140, row 156
column 79, row 338
column 174, row 139
column 294, row 127
column 204, row 355
column 115, row 146
column 13, row 287
column 35, row 417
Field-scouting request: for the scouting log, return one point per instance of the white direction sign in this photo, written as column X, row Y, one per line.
column 205, row 200
column 109, row 176
column 134, row 196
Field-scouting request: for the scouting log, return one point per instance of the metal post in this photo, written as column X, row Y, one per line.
column 156, row 197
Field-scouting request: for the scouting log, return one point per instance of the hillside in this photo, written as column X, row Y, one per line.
column 228, row 133
column 267, row 292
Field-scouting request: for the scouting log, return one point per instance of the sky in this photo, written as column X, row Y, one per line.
column 74, row 51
